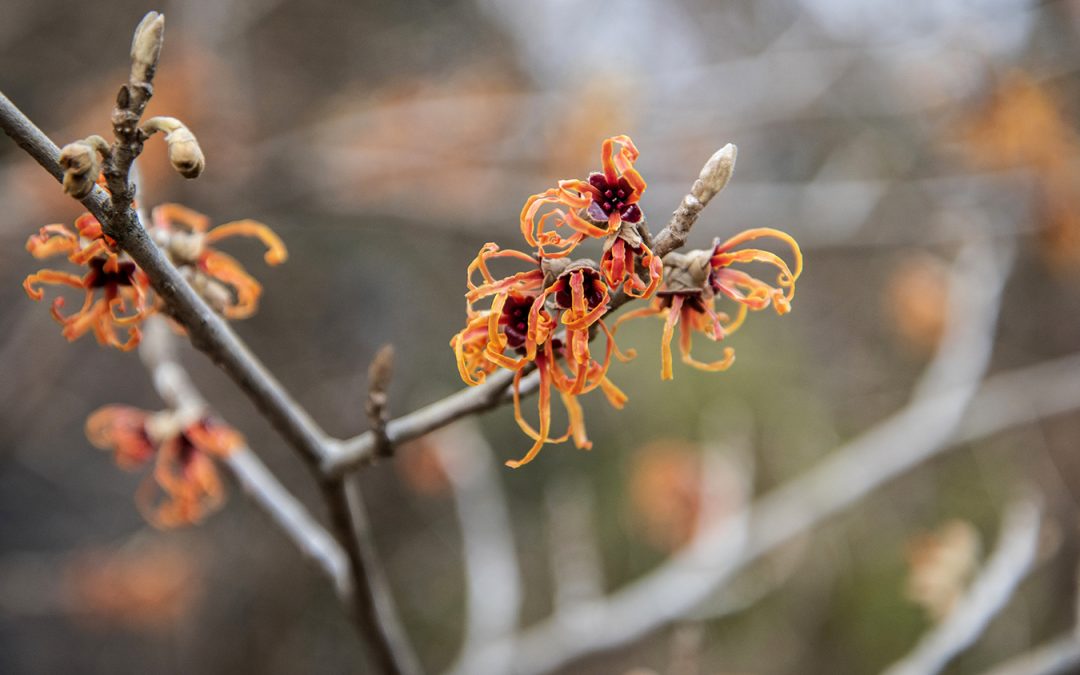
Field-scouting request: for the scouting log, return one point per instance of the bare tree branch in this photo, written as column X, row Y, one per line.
column 493, row 580
column 175, row 387
column 1012, row 560
column 1057, row 657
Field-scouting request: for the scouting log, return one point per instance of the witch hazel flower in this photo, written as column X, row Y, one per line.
column 184, row 485
column 186, row 237
column 595, row 207
column 115, row 289
column 517, row 331
column 694, row 281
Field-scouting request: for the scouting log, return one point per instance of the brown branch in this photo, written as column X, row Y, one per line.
column 208, row 332
column 372, row 605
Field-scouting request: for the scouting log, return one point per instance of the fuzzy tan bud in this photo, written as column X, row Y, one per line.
column 81, row 162
column 146, row 46
column 184, row 152
column 715, row 174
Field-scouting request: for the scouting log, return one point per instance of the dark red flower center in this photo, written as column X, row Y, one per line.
column 99, row 278
column 594, row 294
column 612, row 198
column 515, row 319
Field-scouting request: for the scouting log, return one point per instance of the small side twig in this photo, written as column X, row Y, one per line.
column 379, row 374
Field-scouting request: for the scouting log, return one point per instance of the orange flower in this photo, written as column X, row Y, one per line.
column 186, row 237
column 517, row 330
column 591, row 208
column 184, row 473
column 120, row 282
column 618, row 264
column 692, row 283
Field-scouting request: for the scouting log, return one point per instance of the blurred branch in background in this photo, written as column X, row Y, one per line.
column 158, row 353
column 493, row 581
column 1012, row 560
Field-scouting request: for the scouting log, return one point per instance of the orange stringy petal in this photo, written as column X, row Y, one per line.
column 165, row 215
column 52, row 240
column 544, row 408
column 276, row 253
column 577, row 421
column 229, row 271
column 52, row 277
column 685, row 344
column 666, row 372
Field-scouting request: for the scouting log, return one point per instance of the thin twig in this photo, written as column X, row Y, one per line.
column 1012, row 560
column 379, row 373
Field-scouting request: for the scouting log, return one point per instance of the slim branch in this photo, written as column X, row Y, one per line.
column 372, row 606
column 1010, row 563
column 172, row 383
column 1057, row 657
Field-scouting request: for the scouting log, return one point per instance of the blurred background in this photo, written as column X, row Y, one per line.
column 386, row 142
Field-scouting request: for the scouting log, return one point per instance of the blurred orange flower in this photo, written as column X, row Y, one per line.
column 664, row 487
column 187, row 239
column 146, row 587
column 184, row 485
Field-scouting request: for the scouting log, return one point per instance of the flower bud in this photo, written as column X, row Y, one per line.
column 81, row 162
column 146, row 45
column 184, row 152
column 715, row 174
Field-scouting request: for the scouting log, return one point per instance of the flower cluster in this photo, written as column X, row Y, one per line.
column 184, row 485
column 117, row 292
column 543, row 316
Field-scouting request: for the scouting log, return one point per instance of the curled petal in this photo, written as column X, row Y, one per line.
column 669, row 331
column 229, row 271
column 52, row 240
column 165, row 216
column 685, row 338
column 276, row 253
column 51, row 277
column 121, row 429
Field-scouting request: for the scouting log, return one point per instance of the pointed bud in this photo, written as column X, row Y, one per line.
column 146, row 46
column 715, row 174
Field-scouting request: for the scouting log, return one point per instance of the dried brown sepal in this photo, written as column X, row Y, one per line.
column 686, row 271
